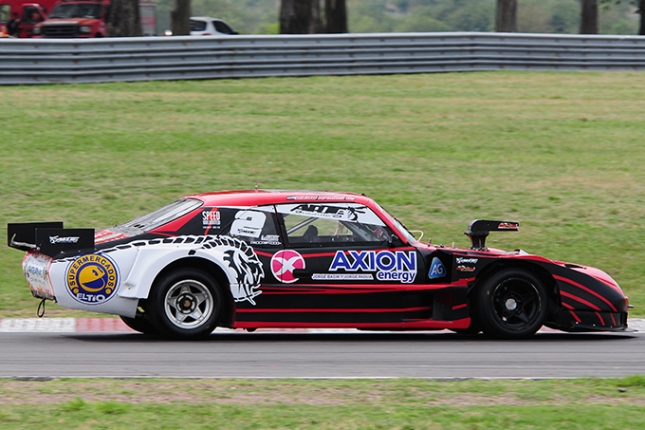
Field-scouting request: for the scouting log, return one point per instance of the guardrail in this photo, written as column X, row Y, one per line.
column 43, row 61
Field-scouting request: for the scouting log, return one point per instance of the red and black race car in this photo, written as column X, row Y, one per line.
column 253, row 259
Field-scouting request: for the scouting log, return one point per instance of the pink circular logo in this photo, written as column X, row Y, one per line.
column 283, row 263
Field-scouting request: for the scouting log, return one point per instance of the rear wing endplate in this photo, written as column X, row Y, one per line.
column 49, row 238
column 478, row 231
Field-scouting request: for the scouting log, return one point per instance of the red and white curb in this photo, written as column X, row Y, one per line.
column 63, row 325
column 115, row 325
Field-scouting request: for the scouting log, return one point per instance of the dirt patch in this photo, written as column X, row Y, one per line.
column 246, row 392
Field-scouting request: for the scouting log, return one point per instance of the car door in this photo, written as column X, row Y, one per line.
column 339, row 267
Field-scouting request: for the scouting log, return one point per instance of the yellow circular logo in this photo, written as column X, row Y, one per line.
column 92, row 279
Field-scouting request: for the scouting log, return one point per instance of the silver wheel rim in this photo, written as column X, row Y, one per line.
column 188, row 304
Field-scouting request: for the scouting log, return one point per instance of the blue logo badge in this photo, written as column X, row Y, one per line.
column 92, row 279
column 437, row 270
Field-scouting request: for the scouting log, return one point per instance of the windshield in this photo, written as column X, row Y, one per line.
column 76, row 10
column 159, row 217
column 399, row 226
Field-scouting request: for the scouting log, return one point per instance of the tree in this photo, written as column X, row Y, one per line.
column 300, row 17
column 180, row 18
column 589, row 17
column 506, row 18
column 124, row 19
column 641, row 10
column 478, row 16
column 335, row 16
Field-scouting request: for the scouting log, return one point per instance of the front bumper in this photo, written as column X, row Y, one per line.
column 581, row 321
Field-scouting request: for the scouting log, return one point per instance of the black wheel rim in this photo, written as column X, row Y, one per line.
column 516, row 304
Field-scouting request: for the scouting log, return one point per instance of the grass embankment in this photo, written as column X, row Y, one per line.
column 560, row 152
column 349, row 404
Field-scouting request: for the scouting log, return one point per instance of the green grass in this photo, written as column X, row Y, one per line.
column 560, row 152
column 332, row 404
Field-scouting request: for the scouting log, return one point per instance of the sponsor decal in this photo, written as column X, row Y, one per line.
column 508, row 226
column 461, row 260
column 330, row 212
column 36, row 268
column 248, row 223
column 92, row 279
column 332, row 197
column 243, row 231
column 267, row 239
column 465, row 269
column 343, row 212
column 284, row 262
column 437, row 269
column 211, row 218
column 342, row 276
column 57, row 239
column 389, row 266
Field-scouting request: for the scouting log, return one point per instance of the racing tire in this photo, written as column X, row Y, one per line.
column 511, row 304
column 185, row 304
column 140, row 324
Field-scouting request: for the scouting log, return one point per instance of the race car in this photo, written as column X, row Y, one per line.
column 306, row 259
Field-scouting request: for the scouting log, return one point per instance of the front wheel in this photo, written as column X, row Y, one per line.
column 511, row 304
column 185, row 304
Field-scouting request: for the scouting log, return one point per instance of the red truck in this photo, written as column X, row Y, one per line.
column 69, row 18
column 29, row 13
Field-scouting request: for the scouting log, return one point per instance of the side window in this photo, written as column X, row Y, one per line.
column 32, row 15
column 197, row 25
column 332, row 224
column 222, row 28
column 255, row 226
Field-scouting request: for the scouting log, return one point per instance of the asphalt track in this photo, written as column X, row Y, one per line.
column 37, row 354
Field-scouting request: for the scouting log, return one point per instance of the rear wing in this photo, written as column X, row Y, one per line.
column 478, row 231
column 49, row 238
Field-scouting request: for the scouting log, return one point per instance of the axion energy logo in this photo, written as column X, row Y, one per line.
column 283, row 263
column 398, row 266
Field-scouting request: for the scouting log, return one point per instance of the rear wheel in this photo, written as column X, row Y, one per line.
column 140, row 324
column 185, row 304
column 511, row 304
